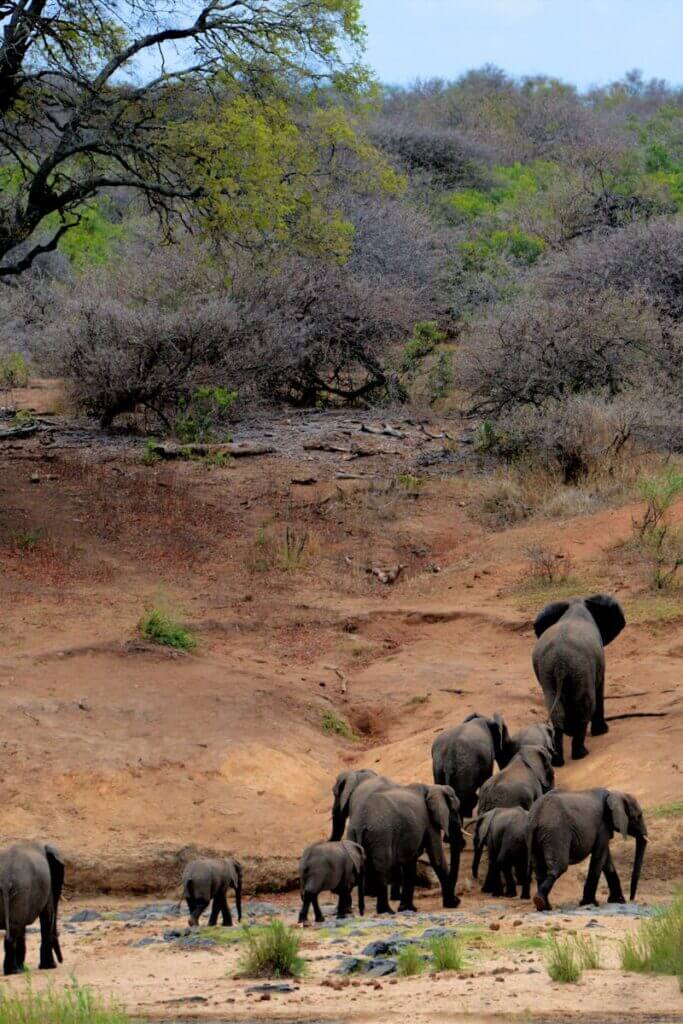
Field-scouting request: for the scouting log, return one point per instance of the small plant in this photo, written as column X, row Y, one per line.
column 546, row 565
column 441, row 377
column 658, row 539
column 14, row 371
column 561, row 961
column 296, row 549
column 27, row 540
column 274, row 953
column 411, row 484
column 23, row 418
column 150, row 455
column 672, row 810
column 334, row 725
column 204, row 416
column 410, row 962
column 426, row 336
column 71, row 1005
column 587, row 953
column 159, row 627
column 486, row 437
column 419, row 698
column 447, row 953
column 657, row 946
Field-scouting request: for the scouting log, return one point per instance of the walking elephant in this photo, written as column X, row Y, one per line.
column 463, row 757
column 565, row 827
column 31, row 881
column 540, row 734
column 205, row 880
column 394, row 826
column 502, row 833
column 569, row 662
column 528, row 775
column 335, row 867
column 350, row 790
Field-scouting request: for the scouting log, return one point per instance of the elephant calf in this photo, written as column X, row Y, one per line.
column 334, row 867
column 205, row 880
column 565, row 827
column 528, row 775
column 540, row 734
column 502, row 833
column 462, row 757
column 31, row 881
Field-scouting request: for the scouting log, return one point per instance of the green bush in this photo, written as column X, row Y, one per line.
column 447, row 953
column 657, row 946
column 274, row 953
column 658, row 539
column 333, row 724
column 204, row 415
column 426, row 336
column 562, row 962
column 14, row 371
column 71, row 1005
column 159, row 627
column 410, row 962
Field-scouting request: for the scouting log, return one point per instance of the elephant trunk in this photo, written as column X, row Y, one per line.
column 476, row 859
column 338, row 823
column 641, row 843
column 238, row 900
column 361, row 893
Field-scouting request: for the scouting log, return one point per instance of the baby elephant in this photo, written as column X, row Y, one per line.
column 336, row 867
column 31, row 880
column 205, row 880
column 528, row 775
column 502, row 833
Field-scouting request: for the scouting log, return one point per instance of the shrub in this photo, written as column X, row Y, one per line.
column 334, row 725
column 426, row 336
column 561, row 960
column 410, row 961
column 71, row 1005
column 655, row 536
column 447, row 953
column 296, row 549
column 14, row 371
column 274, row 953
column 546, row 565
column 657, row 946
column 203, row 416
column 587, row 953
column 27, row 540
column 157, row 626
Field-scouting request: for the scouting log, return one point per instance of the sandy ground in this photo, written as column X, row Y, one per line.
column 130, row 756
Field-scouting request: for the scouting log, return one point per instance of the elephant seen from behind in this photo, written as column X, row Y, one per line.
column 528, row 775
column 502, row 833
column 463, row 757
column 336, row 867
column 207, row 879
column 31, row 882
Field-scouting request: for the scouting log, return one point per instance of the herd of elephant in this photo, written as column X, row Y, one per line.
column 525, row 825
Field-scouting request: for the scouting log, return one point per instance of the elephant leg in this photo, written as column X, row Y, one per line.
column 598, row 724
column 510, row 886
column 489, row 880
column 558, row 752
column 305, row 907
column 10, row 965
column 382, row 900
column 476, row 860
column 21, row 950
column 47, row 960
column 316, row 909
column 590, row 888
column 496, row 884
column 215, row 907
column 579, row 749
column 196, row 908
column 616, row 894
column 522, row 876
column 396, row 884
column 344, row 903
column 226, row 916
column 407, row 896
column 547, row 874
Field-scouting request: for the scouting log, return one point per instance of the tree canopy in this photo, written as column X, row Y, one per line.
column 248, row 119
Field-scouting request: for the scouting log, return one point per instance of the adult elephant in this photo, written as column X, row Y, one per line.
column 31, row 881
column 569, row 662
column 564, row 828
column 394, row 826
column 349, row 792
column 463, row 757
column 528, row 775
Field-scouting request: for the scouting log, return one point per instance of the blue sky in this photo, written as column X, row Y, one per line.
column 580, row 41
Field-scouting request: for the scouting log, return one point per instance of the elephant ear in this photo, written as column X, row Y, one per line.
column 235, row 873
column 56, row 865
column 344, row 787
column 356, row 854
column 499, row 732
column 608, row 614
column 471, row 718
column 549, row 615
column 438, row 807
column 616, row 802
column 483, row 827
column 538, row 761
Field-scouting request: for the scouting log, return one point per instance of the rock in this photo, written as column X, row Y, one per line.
column 85, row 915
column 437, row 933
column 148, row 940
column 273, row 986
column 350, row 965
column 156, row 911
column 494, row 926
column 380, row 967
column 259, row 908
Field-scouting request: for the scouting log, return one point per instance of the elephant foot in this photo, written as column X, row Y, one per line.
column 320, row 920
column 526, row 894
column 406, row 907
column 540, row 903
column 590, row 903
column 385, row 910
column 557, row 762
column 452, row 902
column 47, row 966
column 616, row 898
column 599, row 728
column 511, row 893
column 579, row 753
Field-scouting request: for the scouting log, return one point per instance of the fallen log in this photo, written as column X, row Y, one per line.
column 188, row 451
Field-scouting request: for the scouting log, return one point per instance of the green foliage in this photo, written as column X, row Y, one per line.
column 150, row 455
column 157, row 626
column 426, row 336
column 204, row 416
column 657, row 946
column 71, row 1005
column 410, row 961
column 486, row 437
column 447, row 953
column 273, row 953
column 27, row 540
column 296, row 549
column 655, row 535
column 441, row 376
column 91, row 242
column 23, row 418
column 14, row 371
column 411, row 484
column 672, row 810
column 562, row 962
column 587, row 953
column 334, row 725
column 513, row 184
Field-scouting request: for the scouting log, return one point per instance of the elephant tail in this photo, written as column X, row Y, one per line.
column 5, row 905
column 556, row 713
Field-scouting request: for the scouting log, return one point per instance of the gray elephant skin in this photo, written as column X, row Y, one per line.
column 569, row 662
column 394, row 826
column 31, row 881
column 564, row 828
column 350, row 790
column 463, row 757
column 502, row 833
column 540, row 734
column 528, row 775
column 206, row 879
column 336, row 867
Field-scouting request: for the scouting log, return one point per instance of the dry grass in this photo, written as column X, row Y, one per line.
column 369, row 720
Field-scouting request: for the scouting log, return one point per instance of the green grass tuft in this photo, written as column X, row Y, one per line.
column 410, row 962
column 71, row 1005
column 657, row 946
column 587, row 953
column 160, row 628
column 274, row 953
column 672, row 810
column 334, row 725
column 562, row 962
column 447, row 953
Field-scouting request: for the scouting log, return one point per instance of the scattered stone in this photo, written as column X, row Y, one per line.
column 276, row 986
column 85, row 915
column 147, row 940
column 259, row 908
column 380, row 967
